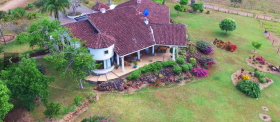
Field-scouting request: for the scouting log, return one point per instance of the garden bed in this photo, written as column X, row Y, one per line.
column 227, row 46
column 8, row 38
column 236, row 78
column 259, row 62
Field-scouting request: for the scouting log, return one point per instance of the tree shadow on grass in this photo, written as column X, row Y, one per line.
column 219, row 34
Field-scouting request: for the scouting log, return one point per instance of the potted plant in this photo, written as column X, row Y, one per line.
column 117, row 66
column 135, row 64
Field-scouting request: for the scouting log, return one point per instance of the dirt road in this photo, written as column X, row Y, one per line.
column 13, row 4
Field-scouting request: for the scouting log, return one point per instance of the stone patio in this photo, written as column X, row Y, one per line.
column 145, row 60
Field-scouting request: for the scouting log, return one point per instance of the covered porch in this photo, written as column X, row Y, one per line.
column 126, row 66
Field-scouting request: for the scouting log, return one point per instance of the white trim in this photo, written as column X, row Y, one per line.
column 103, row 71
column 152, row 31
column 123, row 64
column 118, row 59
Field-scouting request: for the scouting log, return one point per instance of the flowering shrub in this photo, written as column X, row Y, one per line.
column 205, row 61
column 200, row 72
column 261, row 60
column 245, row 77
column 232, row 48
column 180, row 60
column 177, row 69
column 204, row 47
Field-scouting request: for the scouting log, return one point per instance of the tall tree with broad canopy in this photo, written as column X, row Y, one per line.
column 74, row 58
column 55, row 6
column 235, row 2
column 228, row 24
column 178, row 8
column 5, row 106
column 26, row 82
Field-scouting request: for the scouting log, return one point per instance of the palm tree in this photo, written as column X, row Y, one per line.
column 54, row 6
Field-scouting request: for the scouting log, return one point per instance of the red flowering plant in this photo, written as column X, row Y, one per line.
column 232, row 48
column 156, row 83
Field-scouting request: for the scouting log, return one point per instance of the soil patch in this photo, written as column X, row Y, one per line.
column 267, row 67
column 8, row 38
column 265, row 117
column 265, row 108
column 18, row 115
column 253, row 51
column 235, row 79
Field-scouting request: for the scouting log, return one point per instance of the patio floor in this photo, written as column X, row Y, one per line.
column 145, row 60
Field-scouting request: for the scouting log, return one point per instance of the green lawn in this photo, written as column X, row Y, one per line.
column 214, row 98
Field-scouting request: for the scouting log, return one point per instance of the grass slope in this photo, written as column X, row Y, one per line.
column 214, row 98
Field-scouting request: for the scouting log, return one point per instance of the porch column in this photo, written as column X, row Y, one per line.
column 105, row 64
column 118, row 59
column 138, row 53
column 109, row 63
column 173, row 53
column 153, row 49
column 122, row 63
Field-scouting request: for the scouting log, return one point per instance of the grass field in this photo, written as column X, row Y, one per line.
column 214, row 98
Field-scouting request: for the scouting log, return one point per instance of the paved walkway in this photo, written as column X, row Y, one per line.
column 64, row 19
column 240, row 13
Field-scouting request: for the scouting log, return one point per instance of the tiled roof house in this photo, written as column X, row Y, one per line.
column 124, row 30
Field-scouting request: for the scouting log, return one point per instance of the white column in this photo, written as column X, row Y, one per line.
column 153, row 49
column 173, row 54
column 138, row 53
column 122, row 63
column 118, row 59
column 105, row 64
column 109, row 63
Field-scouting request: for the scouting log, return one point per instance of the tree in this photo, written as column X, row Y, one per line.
column 52, row 110
column 178, row 8
column 159, row 1
column 54, row 6
column 228, row 24
column 235, row 2
column 5, row 106
column 75, row 5
column 184, row 2
column 256, row 45
column 198, row 6
column 26, row 82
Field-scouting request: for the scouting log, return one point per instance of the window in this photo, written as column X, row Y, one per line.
column 106, row 52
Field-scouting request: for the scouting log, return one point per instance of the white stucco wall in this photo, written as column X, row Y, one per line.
column 98, row 54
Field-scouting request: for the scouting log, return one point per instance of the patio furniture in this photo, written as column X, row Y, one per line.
column 162, row 49
column 126, row 63
column 134, row 59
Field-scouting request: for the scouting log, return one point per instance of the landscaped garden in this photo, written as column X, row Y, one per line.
column 212, row 97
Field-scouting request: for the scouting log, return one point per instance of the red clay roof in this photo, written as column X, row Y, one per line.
column 99, row 5
column 170, row 34
column 158, row 13
column 82, row 30
column 127, row 26
column 101, row 41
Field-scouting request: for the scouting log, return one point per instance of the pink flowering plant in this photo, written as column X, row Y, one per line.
column 261, row 60
column 200, row 72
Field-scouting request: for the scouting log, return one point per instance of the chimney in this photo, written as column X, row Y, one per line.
column 103, row 10
column 138, row 1
column 109, row 3
column 146, row 21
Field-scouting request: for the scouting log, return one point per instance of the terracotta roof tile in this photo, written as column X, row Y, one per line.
column 157, row 13
column 100, row 5
column 101, row 41
column 170, row 34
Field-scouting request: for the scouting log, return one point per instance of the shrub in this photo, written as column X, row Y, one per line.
column 2, row 14
column 175, row 22
column 185, row 67
column 257, row 74
column 193, row 61
column 190, row 66
column 72, row 108
column 91, row 100
column 32, row 15
column 177, row 69
column 90, row 95
column 180, row 60
column 245, row 77
column 205, row 61
column 200, row 72
column 52, row 110
column 21, row 38
column 262, row 80
column 65, row 110
column 169, row 63
column 156, row 66
column 96, row 118
column 30, row 5
column 19, row 12
column 77, row 101
column 204, row 47
column 208, row 12
column 145, row 68
column 250, row 88
column 134, row 75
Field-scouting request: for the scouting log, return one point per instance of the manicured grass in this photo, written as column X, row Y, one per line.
column 214, row 98
column 13, row 47
column 272, row 26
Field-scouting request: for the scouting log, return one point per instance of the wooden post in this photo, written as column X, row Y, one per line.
column 3, row 36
